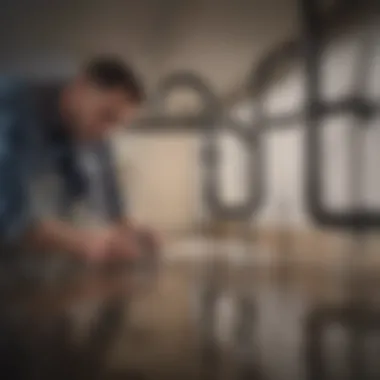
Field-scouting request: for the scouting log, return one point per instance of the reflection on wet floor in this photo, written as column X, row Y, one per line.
column 116, row 323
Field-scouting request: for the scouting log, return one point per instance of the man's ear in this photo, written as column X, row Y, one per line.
column 80, row 82
column 130, row 113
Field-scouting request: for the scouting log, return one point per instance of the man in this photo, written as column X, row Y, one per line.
column 40, row 130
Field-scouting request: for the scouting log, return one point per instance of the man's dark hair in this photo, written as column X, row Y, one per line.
column 113, row 72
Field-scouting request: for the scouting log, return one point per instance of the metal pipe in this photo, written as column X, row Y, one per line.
column 316, row 111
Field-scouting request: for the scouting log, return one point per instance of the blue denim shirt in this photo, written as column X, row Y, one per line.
column 31, row 134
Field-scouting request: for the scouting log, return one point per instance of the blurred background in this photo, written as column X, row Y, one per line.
column 289, row 266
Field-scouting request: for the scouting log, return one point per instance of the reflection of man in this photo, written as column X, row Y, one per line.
column 41, row 179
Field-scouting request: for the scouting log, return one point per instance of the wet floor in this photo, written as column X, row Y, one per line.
column 271, row 320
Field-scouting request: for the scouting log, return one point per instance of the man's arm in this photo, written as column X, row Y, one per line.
column 15, row 217
column 114, row 199
column 116, row 203
column 18, row 225
column 53, row 235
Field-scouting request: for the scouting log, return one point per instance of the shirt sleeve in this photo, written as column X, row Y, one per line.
column 15, row 216
column 116, row 204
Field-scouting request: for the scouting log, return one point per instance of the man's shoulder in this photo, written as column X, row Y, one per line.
column 25, row 105
column 16, row 110
column 15, row 92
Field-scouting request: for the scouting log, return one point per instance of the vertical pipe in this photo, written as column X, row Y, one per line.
column 312, row 38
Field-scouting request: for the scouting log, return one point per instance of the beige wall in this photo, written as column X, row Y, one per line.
column 158, row 177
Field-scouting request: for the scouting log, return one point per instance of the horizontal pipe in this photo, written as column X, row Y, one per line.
column 171, row 124
column 272, row 122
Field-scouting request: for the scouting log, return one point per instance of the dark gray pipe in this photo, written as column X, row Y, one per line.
column 315, row 113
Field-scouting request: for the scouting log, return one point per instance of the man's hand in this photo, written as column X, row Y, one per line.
column 143, row 233
column 105, row 244
column 93, row 245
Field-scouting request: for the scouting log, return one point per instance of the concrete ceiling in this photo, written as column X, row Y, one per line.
column 218, row 38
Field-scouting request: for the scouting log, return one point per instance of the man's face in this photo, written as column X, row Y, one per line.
column 98, row 110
